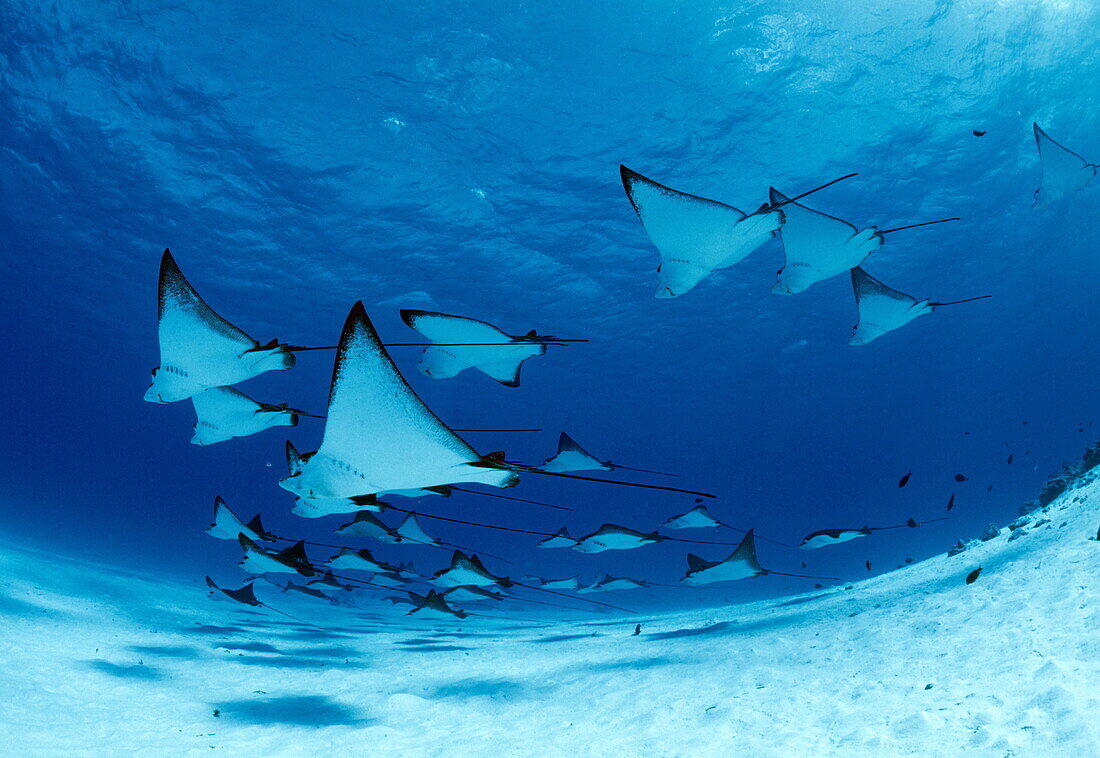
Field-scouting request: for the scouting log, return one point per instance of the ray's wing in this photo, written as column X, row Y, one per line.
column 448, row 329
column 810, row 235
column 1059, row 163
column 682, row 226
column 219, row 403
column 187, row 325
column 876, row 302
column 746, row 553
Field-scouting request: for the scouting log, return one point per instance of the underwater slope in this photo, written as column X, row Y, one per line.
column 914, row 662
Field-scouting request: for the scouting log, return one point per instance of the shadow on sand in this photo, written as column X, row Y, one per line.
column 302, row 710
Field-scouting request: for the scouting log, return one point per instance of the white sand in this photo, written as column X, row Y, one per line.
column 100, row 663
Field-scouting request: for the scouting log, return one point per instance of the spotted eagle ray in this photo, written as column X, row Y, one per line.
column 246, row 595
column 198, row 348
column 817, row 246
column 360, row 560
column 608, row 583
column 614, row 537
column 697, row 518
column 305, row 589
column 433, row 604
column 573, row 457
column 468, row 570
column 462, row 343
column 1064, row 171
column 560, row 538
column 572, row 583
column 694, row 235
column 883, row 309
column 742, row 563
column 222, row 413
column 328, row 580
column 291, row 560
column 826, row 537
column 227, row 526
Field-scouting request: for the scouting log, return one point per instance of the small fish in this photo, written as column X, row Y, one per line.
column 904, row 480
column 978, row 132
column 960, row 477
column 951, row 502
column 803, row 564
column 973, row 575
column 868, row 564
column 989, row 488
column 1011, row 457
column 637, row 629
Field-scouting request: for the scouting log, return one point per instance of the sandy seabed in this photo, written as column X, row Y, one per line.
column 98, row 662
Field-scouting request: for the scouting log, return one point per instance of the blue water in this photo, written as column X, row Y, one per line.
column 464, row 158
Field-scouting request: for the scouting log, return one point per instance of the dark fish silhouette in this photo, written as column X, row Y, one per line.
column 868, row 564
column 989, row 488
column 973, row 575
column 637, row 629
column 951, row 502
column 960, row 477
column 978, row 132
column 1011, row 457
column 904, row 480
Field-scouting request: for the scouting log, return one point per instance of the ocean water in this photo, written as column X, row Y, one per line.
column 465, row 159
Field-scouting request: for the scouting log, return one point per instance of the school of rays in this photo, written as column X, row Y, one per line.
column 382, row 445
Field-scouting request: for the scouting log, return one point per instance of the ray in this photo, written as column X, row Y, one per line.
column 247, row 596
column 572, row 457
column 696, row 518
column 223, row 413
column 459, row 343
column 608, row 583
column 227, row 525
column 614, row 537
column 742, row 563
column 817, row 246
column 571, row 583
column 410, row 529
column 883, row 309
column 379, row 435
column 558, row 539
column 826, row 537
column 433, row 604
column 198, row 348
column 291, row 560
column 1063, row 171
